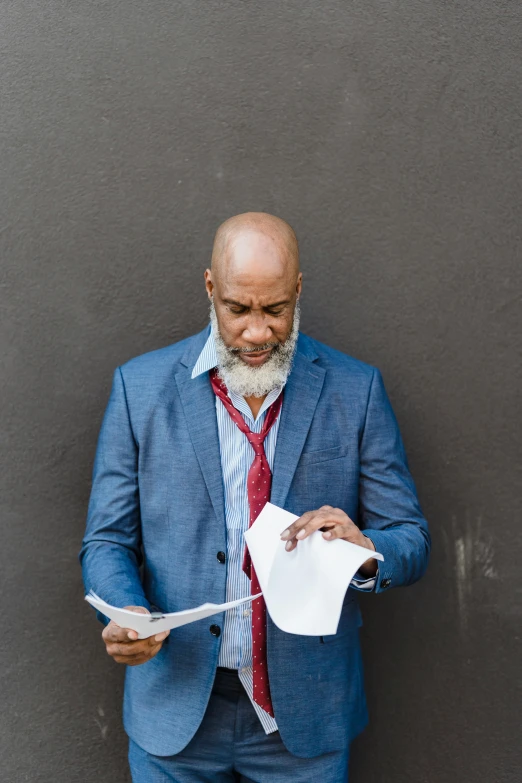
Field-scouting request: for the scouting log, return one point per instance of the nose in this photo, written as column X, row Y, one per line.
column 257, row 330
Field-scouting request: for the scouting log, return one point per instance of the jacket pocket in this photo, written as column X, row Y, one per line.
column 323, row 455
column 334, row 638
column 347, row 625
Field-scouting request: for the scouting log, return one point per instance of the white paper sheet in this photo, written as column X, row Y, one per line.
column 146, row 626
column 303, row 589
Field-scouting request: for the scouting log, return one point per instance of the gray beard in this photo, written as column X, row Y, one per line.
column 247, row 381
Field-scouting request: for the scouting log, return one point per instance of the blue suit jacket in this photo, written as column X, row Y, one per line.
column 156, row 521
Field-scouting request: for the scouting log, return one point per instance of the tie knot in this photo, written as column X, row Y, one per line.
column 256, row 441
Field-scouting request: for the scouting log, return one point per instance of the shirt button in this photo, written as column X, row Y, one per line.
column 385, row 583
column 215, row 630
column 246, row 613
column 221, row 557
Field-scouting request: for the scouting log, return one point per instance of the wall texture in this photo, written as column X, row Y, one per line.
column 389, row 134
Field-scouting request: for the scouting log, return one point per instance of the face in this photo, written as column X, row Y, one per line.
column 254, row 295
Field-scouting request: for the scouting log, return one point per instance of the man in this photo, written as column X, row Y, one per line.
column 196, row 438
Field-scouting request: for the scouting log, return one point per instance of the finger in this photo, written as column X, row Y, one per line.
column 349, row 532
column 337, row 531
column 294, row 528
column 131, row 633
column 292, row 542
column 121, row 650
column 149, row 641
column 114, row 633
column 313, row 523
column 131, row 648
column 126, row 647
column 309, row 522
column 134, row 660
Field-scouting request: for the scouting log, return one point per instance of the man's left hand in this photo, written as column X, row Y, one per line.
column 335, row 524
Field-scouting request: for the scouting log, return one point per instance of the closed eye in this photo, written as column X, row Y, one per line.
column 275, row 310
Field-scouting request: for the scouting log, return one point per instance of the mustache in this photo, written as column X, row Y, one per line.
column 257, row 349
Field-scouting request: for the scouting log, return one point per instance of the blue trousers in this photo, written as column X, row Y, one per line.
column 231, row 746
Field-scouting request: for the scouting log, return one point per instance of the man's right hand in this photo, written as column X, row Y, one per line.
column 124, row 646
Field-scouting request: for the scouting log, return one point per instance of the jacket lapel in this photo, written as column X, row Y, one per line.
column 301, row 395
column 199, row 406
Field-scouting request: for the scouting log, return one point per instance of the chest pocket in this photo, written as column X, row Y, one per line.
column 323, row 455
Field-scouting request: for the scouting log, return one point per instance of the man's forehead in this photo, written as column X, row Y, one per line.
column 257, row 265
column 252, row 270
column 256, row 285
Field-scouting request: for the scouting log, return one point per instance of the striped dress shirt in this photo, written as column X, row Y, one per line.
column 236, row 458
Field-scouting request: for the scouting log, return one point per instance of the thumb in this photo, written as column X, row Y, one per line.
column 133, row 635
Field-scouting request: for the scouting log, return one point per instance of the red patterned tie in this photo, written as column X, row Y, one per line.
column 258, row 487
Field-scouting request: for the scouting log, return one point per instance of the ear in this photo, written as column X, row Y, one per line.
column 208, row 283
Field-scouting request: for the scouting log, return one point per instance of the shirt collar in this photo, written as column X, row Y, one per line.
column 208, row 359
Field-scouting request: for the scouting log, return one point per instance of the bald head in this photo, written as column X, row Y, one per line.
column 270, row 236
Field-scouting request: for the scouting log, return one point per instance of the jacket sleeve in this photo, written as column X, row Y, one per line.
column 111, row 549
column 389, row 511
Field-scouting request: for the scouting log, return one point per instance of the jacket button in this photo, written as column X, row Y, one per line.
column 221, row 557
column 215, row 630
column 385, row 583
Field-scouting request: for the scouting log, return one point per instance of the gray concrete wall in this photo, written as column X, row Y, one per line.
column 388, row 133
